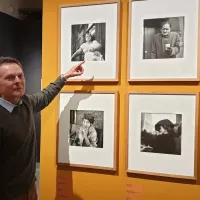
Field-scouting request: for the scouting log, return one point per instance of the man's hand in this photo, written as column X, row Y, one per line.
column 76, row 70
column 169, row 50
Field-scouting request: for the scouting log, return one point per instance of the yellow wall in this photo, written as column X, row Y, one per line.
column 88, row 184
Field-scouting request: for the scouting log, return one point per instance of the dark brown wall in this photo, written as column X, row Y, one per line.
column 23, row 40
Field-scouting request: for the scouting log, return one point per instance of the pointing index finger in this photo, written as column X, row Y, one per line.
column 79, row 64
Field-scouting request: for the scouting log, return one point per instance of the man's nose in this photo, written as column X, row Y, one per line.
column 17, row 79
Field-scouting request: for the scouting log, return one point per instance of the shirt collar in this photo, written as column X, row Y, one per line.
column 167, row 35
column 7, row 105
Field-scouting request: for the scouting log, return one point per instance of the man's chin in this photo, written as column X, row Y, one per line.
column 18, row 94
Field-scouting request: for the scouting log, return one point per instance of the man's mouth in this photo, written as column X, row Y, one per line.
column 18, row 89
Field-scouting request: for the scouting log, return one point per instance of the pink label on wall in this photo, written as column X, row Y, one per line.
column 133, row 188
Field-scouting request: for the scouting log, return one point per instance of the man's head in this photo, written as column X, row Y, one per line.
column 12, row 82
column 165, row 28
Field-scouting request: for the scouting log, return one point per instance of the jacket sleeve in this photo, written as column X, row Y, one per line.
column 42, row 99
column 176, row 48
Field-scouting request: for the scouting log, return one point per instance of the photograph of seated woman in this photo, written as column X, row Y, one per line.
column 163, row 38
column 166, row 138
column 86, row 134
column 89, row 48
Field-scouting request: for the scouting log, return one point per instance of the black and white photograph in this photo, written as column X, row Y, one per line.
column 90, row 33
column 164, row 38
column 88, row 42
column 162, row 136
column 86, row 128
column 161, row 133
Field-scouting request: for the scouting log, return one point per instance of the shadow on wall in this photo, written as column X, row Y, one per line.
column 64, row 187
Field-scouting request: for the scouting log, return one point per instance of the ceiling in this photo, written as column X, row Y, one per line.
column 16, row 8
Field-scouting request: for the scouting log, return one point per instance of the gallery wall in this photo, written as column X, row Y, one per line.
column 88, row 184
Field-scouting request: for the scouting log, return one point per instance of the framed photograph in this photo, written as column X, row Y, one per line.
column 94, row 40
column 163, row 40
column 162, row 134
column 87, row 129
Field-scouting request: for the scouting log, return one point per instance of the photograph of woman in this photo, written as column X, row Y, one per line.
column 86, row 128
column 88, row 42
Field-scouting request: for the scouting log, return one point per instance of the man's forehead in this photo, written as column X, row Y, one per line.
column 10, row 69
column 166, row 25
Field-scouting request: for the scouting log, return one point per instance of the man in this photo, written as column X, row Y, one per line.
column 17, row 128
column 166, row 44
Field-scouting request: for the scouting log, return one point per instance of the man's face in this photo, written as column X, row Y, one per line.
column 165, row 29
column 12, row 82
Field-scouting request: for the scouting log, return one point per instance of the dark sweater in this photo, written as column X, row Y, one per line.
column 18, row 141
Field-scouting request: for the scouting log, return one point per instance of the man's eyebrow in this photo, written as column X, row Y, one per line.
column 9, row 75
